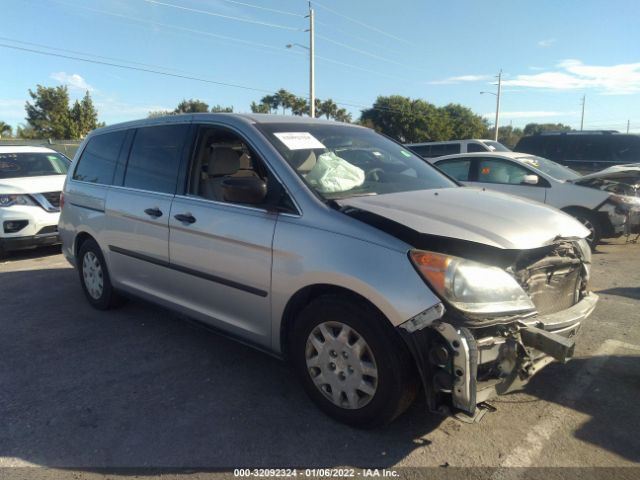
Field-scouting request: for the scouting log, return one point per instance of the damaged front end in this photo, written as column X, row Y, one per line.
column 467, row 354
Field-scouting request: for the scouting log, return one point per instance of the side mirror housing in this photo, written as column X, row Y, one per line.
column 531, row 179
column 249, row 190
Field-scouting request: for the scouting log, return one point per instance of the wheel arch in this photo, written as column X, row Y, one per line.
column 307, row 294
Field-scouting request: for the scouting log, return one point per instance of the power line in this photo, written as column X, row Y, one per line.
column 362, row 24
column 369, row 54
column 274, row 49
column 328, row 26
column 228, row 17
column 274, row 10
column 139, row 69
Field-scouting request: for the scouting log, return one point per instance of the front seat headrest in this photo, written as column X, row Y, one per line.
column 223, row 161
column 303, row 161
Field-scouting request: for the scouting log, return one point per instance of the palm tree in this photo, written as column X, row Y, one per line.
column 5, row 128
column 328, row 108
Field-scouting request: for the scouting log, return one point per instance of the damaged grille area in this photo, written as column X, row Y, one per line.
column 554, row 277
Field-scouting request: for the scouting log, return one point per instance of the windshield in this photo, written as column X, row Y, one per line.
column 550, row 167
column 339, row 161
column 495, row 146
column 32, row 164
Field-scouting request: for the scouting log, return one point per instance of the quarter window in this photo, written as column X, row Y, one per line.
column 98, row 160
column 155, row 158
column 475, row 147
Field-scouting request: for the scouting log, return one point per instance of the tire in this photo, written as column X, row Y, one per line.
column 382, row 366
column 94, row 277
column 591, row 222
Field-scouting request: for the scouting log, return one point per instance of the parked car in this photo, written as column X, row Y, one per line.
column 438, row 149
column 31, row 180
column 540, row 179
column 331, row 246
column 585, row 152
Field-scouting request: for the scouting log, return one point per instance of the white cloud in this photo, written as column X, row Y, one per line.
column 73, row 81
column 547, row 42
column 530, row 114
column 572, row 74
column 462, row 79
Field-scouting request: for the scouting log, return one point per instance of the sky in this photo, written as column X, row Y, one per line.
column 233, row 52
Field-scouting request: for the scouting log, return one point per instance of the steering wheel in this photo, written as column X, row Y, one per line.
column 373, row 174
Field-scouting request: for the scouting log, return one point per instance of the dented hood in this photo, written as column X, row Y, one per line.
column 474, row 215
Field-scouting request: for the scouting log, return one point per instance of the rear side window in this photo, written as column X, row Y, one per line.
column 458, row 169
column 98, row 160
column 155, row 158
column 422, row 150
column 440, row 150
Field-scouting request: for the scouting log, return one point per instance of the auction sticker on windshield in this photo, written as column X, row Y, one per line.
column 298, row 140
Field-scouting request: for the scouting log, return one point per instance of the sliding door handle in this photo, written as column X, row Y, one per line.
column 153, row 212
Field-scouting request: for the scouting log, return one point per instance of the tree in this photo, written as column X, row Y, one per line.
column 84, row 117
column 535, row 128
column 300, row 106
column 5, row 129
column 328, row 108
column 220, row 109
column 49, row 115
column 463, row 123
column 509, row 136
column 159, row 113
column 261, row 107
column 192, row 106
column 342, row 115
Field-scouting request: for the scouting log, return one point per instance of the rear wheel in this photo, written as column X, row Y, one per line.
column 352, row 364
column 95, row 278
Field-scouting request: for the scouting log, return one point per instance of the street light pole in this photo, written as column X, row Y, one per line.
column 498, row 104
column 312, row 74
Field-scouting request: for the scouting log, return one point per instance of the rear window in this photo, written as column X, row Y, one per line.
column 155, row 158
column 26, row 164
column 496, row 146
column 99, row 158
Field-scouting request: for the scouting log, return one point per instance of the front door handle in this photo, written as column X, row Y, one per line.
column 153, row 212
column 185, row 218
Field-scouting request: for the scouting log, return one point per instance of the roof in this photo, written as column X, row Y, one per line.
column 24, row 149
column 228, row 118
column 512, row 155
column 416, row 144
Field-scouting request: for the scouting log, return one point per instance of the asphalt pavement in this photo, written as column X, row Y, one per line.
column 83, row 390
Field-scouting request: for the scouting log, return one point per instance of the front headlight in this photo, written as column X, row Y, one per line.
column 10, row 200
column 470, row 286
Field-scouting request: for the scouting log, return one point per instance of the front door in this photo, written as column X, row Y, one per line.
column 508, row 177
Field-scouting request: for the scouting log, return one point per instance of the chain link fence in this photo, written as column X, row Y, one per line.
column 66, row 147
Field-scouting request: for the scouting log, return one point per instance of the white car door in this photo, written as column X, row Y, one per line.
column 506, row 176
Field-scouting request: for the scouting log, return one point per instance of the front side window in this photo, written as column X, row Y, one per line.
column 495, row 170
column 98, row 161
column 339, row 161
column 27, row 164
column 475, row 147
column 155, row 158
column 458, row 169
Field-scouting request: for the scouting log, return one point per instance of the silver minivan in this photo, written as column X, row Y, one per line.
column 334, row 247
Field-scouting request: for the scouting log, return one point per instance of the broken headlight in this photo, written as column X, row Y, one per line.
column 470, row 286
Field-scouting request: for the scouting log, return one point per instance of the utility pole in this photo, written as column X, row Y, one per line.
column 312, row 73
column 584, row 98
column 628, row 124
column 498, row 104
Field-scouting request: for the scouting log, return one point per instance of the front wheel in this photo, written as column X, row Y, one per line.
column 351, row 364
column 591, row 222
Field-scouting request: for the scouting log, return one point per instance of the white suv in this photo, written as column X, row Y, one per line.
column 31, row 179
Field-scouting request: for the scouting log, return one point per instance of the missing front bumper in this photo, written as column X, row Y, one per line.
column 462, row 367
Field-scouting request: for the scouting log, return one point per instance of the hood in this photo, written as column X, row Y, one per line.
column 48, row 183
column 475, row 215
column 622, row 180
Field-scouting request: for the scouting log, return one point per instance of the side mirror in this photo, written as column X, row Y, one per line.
column 251, row 190
column 531, row 179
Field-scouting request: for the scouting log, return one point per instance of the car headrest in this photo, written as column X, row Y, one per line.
column 303, row 160
column 223, row 161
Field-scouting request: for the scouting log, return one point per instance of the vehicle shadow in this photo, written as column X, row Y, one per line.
column 138, row 387
column 629, row 292
column 609, row 400
column 30, row 253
